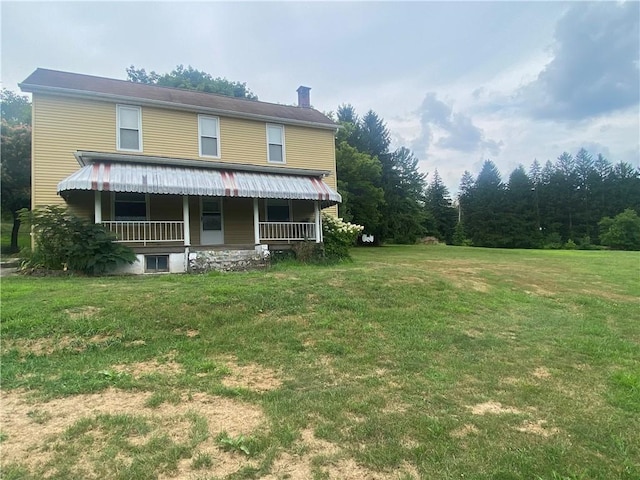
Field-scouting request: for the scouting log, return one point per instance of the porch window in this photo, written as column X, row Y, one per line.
column 130, row 207
column 275, row 144
column 278, row 210
column 209, row 132
column 129, row 130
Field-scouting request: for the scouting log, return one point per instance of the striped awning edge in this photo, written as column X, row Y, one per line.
column 172, row 180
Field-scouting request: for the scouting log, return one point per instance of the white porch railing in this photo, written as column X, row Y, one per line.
column 147, row 232
column 287, row 231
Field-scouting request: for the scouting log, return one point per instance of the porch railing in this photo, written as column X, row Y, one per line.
column 147, row 232
column 287, row 231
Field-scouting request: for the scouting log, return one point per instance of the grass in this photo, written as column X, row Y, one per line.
column 409, row 362
column 24, row 238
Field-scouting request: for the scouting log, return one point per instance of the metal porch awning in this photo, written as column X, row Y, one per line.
column 174, row 180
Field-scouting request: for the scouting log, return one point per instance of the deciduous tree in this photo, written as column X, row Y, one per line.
column 15, row 152
column 191, row 79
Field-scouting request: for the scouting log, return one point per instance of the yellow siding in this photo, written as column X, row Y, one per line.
column 62, row 126
column 81, row 203
column 303, row 211
column 165, row 207
column 65, row 125
column 238, row 221
column 194, row 220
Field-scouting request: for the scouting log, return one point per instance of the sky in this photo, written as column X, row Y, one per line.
column 456, row 82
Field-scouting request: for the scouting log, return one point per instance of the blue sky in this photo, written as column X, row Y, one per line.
column 456, row 82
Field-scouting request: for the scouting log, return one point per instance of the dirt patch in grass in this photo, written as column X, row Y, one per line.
column 187, row 333
column 82, row 312
column 348, row 469
column 493, row 408
column 151, row 367
column 299, row 464
column 330, row 460
column 29, row 437
column 250, row 376
column 533, row 289
column 464, row 278
column 50, row 345
column 541, row 373
column 538, row 427
column 473, row 333
column 464, row 431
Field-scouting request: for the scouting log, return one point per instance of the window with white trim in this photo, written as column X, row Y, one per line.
column 275, row 144
column 129, row 207
column 209, row 134
column 277, row 210
column 129, row 129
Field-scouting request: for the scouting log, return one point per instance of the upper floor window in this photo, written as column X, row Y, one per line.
column 275, row 144
column 209, row 133
column 129, row 131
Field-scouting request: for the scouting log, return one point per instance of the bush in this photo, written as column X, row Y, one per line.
column 306, row 252
column 64, row 241
column 338, row 237
column 570, row 245
column 459, row 237
column 622, row 232
column 553, row 241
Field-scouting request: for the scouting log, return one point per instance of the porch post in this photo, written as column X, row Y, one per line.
column 316, row 210
column 256, row 222
column 97, row 206
column 185, row 219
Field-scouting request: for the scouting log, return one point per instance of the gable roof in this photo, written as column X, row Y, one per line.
column 53, row 81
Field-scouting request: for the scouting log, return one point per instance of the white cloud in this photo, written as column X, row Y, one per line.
column 475, row 57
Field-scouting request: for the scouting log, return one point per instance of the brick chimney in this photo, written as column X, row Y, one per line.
column 304, row 100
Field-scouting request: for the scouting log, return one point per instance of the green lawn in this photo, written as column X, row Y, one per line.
column 409, row 362
column 24, row 238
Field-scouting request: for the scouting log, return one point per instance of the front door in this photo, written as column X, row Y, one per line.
column 211, row 222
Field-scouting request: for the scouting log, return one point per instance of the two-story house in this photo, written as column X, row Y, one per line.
column 186, row 178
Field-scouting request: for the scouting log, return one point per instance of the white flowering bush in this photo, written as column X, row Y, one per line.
column 338, row 236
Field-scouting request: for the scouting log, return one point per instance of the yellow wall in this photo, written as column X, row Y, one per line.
column 238, row 221
column 64, row 125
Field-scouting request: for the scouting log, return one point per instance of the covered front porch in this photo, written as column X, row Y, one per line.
column 207, row 221
column 156, row 204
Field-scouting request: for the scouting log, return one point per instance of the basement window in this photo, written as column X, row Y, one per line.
column 156, row 263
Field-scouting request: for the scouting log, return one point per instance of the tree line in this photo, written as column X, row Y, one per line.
column 567, row 203
column 562, row 203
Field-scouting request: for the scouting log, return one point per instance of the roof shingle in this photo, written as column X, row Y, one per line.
column 44, row 80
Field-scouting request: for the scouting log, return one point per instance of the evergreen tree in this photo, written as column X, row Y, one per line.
column 443, row 215
column 374, row 137
column 485, row 222
column 465, row 200
column 403, row 211
column 522, row 229
column 623, row 185
column 358, row 183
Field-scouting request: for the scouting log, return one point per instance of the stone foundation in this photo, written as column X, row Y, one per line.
column 227, row 260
